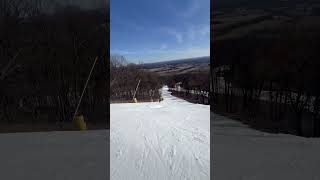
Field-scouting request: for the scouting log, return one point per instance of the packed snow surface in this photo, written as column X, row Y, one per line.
column 241, row 153
column 55, row 155
column 167, row 140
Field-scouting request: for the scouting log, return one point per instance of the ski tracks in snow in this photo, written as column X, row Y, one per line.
column 167, row 140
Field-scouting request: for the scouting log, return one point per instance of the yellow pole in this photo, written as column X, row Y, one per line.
column 134, row 95
column 76, row 111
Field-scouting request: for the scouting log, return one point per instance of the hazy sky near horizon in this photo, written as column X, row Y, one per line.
column 160, row 30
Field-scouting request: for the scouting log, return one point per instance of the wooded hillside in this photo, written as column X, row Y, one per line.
column 128, row 81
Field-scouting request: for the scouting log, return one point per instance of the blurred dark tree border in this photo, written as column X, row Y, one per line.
column 45, row 58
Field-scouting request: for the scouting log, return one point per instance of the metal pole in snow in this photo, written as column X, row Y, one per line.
column 84, row 89
column 134, row 95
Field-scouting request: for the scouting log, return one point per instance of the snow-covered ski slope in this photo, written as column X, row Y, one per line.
column 169, row 140
column 241, row 153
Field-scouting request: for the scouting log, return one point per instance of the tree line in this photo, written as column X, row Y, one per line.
column 127, row 81
column 194, row 86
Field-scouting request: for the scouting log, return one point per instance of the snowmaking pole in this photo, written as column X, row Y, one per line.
column 134, row 95
column 84, row 89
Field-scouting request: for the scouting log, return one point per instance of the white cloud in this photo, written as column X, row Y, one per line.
column 163, row 46
column 178, row 35
column 191, row 32
column 122, row 52
column 196, row 32
column 127, row 24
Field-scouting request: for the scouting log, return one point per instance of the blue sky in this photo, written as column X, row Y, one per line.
column 159, row 30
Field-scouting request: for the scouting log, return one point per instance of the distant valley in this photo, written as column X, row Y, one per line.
column 181, row 66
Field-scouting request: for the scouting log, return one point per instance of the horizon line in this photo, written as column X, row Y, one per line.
column 172, row 60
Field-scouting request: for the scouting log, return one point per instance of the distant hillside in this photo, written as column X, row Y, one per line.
column 197, row 60
column 180, row 66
